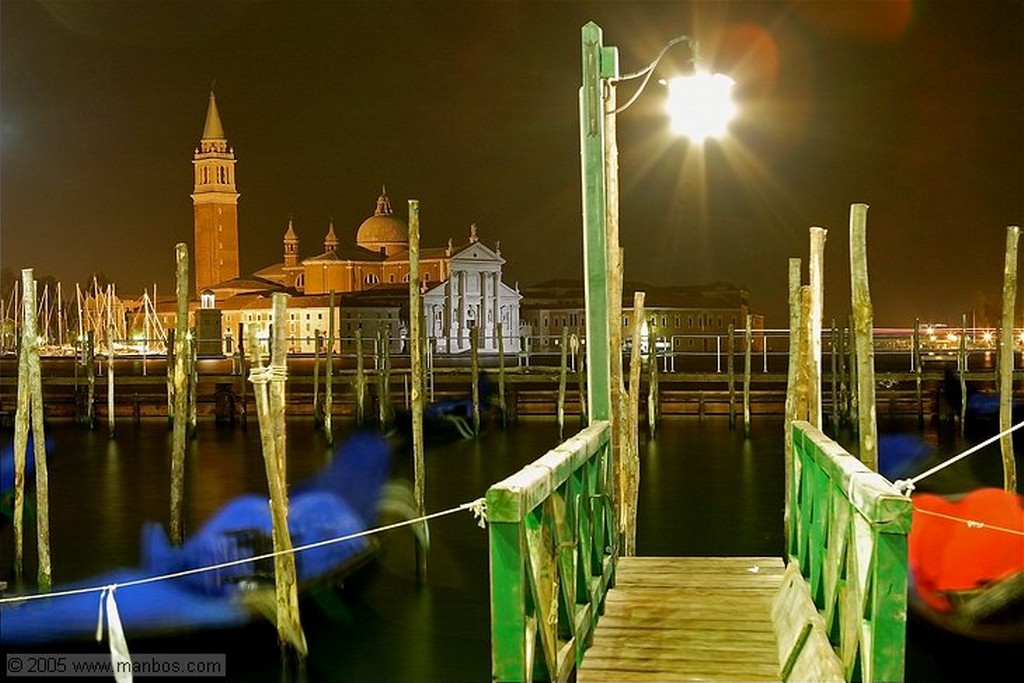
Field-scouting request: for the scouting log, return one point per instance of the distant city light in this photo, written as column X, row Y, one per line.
column 701, row 105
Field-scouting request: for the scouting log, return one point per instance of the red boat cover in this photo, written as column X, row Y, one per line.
column 951, row 554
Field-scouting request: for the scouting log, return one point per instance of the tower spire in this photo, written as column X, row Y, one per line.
column 213, row 130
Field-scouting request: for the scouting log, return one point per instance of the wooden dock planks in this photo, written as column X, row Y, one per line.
column 687, row 619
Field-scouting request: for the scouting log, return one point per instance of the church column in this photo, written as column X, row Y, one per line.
column 495, row 305
column 463, row 339
column 481, row 309
column 447, row 323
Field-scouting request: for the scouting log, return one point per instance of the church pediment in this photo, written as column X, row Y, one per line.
column 477, row 252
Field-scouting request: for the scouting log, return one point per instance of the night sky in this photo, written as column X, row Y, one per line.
column 916, row 108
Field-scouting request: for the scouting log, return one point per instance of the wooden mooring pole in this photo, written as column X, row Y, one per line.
column 792, row 406
column 29, row 416
column 834, row 353
column 474, row 373
column 962, row 368
column 730, row 371
column 581, row 381
column 915, row 361
column 653, row 409
column 1006, row 359
column 193, row 381
column 562, row 370
column 360, row 382
column 180, row 397
column 863, row 320
column 816, row 274
column 747, row 343
column 317, row 416
column 631, row 447
column 169, row 355
column 110, row 367
column 329, row 379
column 416, row 348
column 501, row 377
column 268, row 386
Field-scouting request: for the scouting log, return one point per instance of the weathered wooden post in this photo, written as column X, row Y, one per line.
column 501, row 377
column 29, row 415
column 747, row 343
column 844, row 389
column 962, row 365
column 110, row 368
column 90, row 382
column 360, row 386
column 631, row 447
column 730, row 371
column 180, row 397
column 329, row 379
column 317, row 417
column 653, row 409
column 268, row 386
column 863, row 320
column 854, row 409
column 834, row 349
column 384, row 377
column 193, row 380
column 581, row 385
column 562, row 370
column 816, row 269
column 242, row 361
column 169, row 355
column 416, row 344
column 915, row 360
column 474, row 373
column 792, row 414
column 1006, row 359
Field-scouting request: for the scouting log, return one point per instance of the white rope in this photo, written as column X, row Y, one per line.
column 262, row 375
column 474, row 506
column 971, row 523
column 905, row 486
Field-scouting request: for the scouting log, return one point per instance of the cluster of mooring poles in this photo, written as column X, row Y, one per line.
column 803, row 396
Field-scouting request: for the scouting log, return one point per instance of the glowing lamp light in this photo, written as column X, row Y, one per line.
column 701, row 105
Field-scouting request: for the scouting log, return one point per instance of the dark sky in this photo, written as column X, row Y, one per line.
column 916, row 108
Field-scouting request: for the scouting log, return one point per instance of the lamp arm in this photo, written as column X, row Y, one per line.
column 647, row 71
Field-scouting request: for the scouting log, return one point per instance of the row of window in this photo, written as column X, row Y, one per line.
column 703, row 322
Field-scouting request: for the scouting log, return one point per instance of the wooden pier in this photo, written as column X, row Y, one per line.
column 688, row 619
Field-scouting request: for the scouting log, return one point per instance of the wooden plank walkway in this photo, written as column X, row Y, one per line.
column 687, row 619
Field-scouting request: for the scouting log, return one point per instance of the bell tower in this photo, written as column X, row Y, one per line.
column 215, row 205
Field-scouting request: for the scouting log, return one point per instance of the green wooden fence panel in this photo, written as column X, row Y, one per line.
column 851, row 543
column 552, row 554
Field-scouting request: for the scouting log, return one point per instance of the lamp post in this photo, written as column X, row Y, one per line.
column 707, row 104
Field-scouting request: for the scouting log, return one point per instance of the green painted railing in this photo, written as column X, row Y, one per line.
column 848, row 529
column 552, row 551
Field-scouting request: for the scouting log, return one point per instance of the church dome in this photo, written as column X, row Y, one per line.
column 383, row 230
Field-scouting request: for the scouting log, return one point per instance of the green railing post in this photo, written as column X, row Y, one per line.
column 550, row 566
column 852, row 529
column 595, row 247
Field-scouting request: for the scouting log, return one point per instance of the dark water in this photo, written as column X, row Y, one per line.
column 705, row 490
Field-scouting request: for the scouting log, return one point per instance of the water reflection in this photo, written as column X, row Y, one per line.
column 705, row 490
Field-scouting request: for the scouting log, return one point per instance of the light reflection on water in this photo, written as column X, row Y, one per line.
column 705, row 490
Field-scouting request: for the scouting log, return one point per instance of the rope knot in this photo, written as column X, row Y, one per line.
column 479, row 509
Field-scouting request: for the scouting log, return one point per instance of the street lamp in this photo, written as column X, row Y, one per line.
column 705, row 106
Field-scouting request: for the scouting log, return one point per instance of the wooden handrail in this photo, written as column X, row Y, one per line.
column 552, row 558
column 849, row 534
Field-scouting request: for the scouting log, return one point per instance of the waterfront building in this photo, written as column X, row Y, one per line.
column 461, row 283
column 680, row 318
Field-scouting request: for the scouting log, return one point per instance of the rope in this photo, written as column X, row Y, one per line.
column 269, row 373
column 478, row 507
column 972, row 523
column 905, row 486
